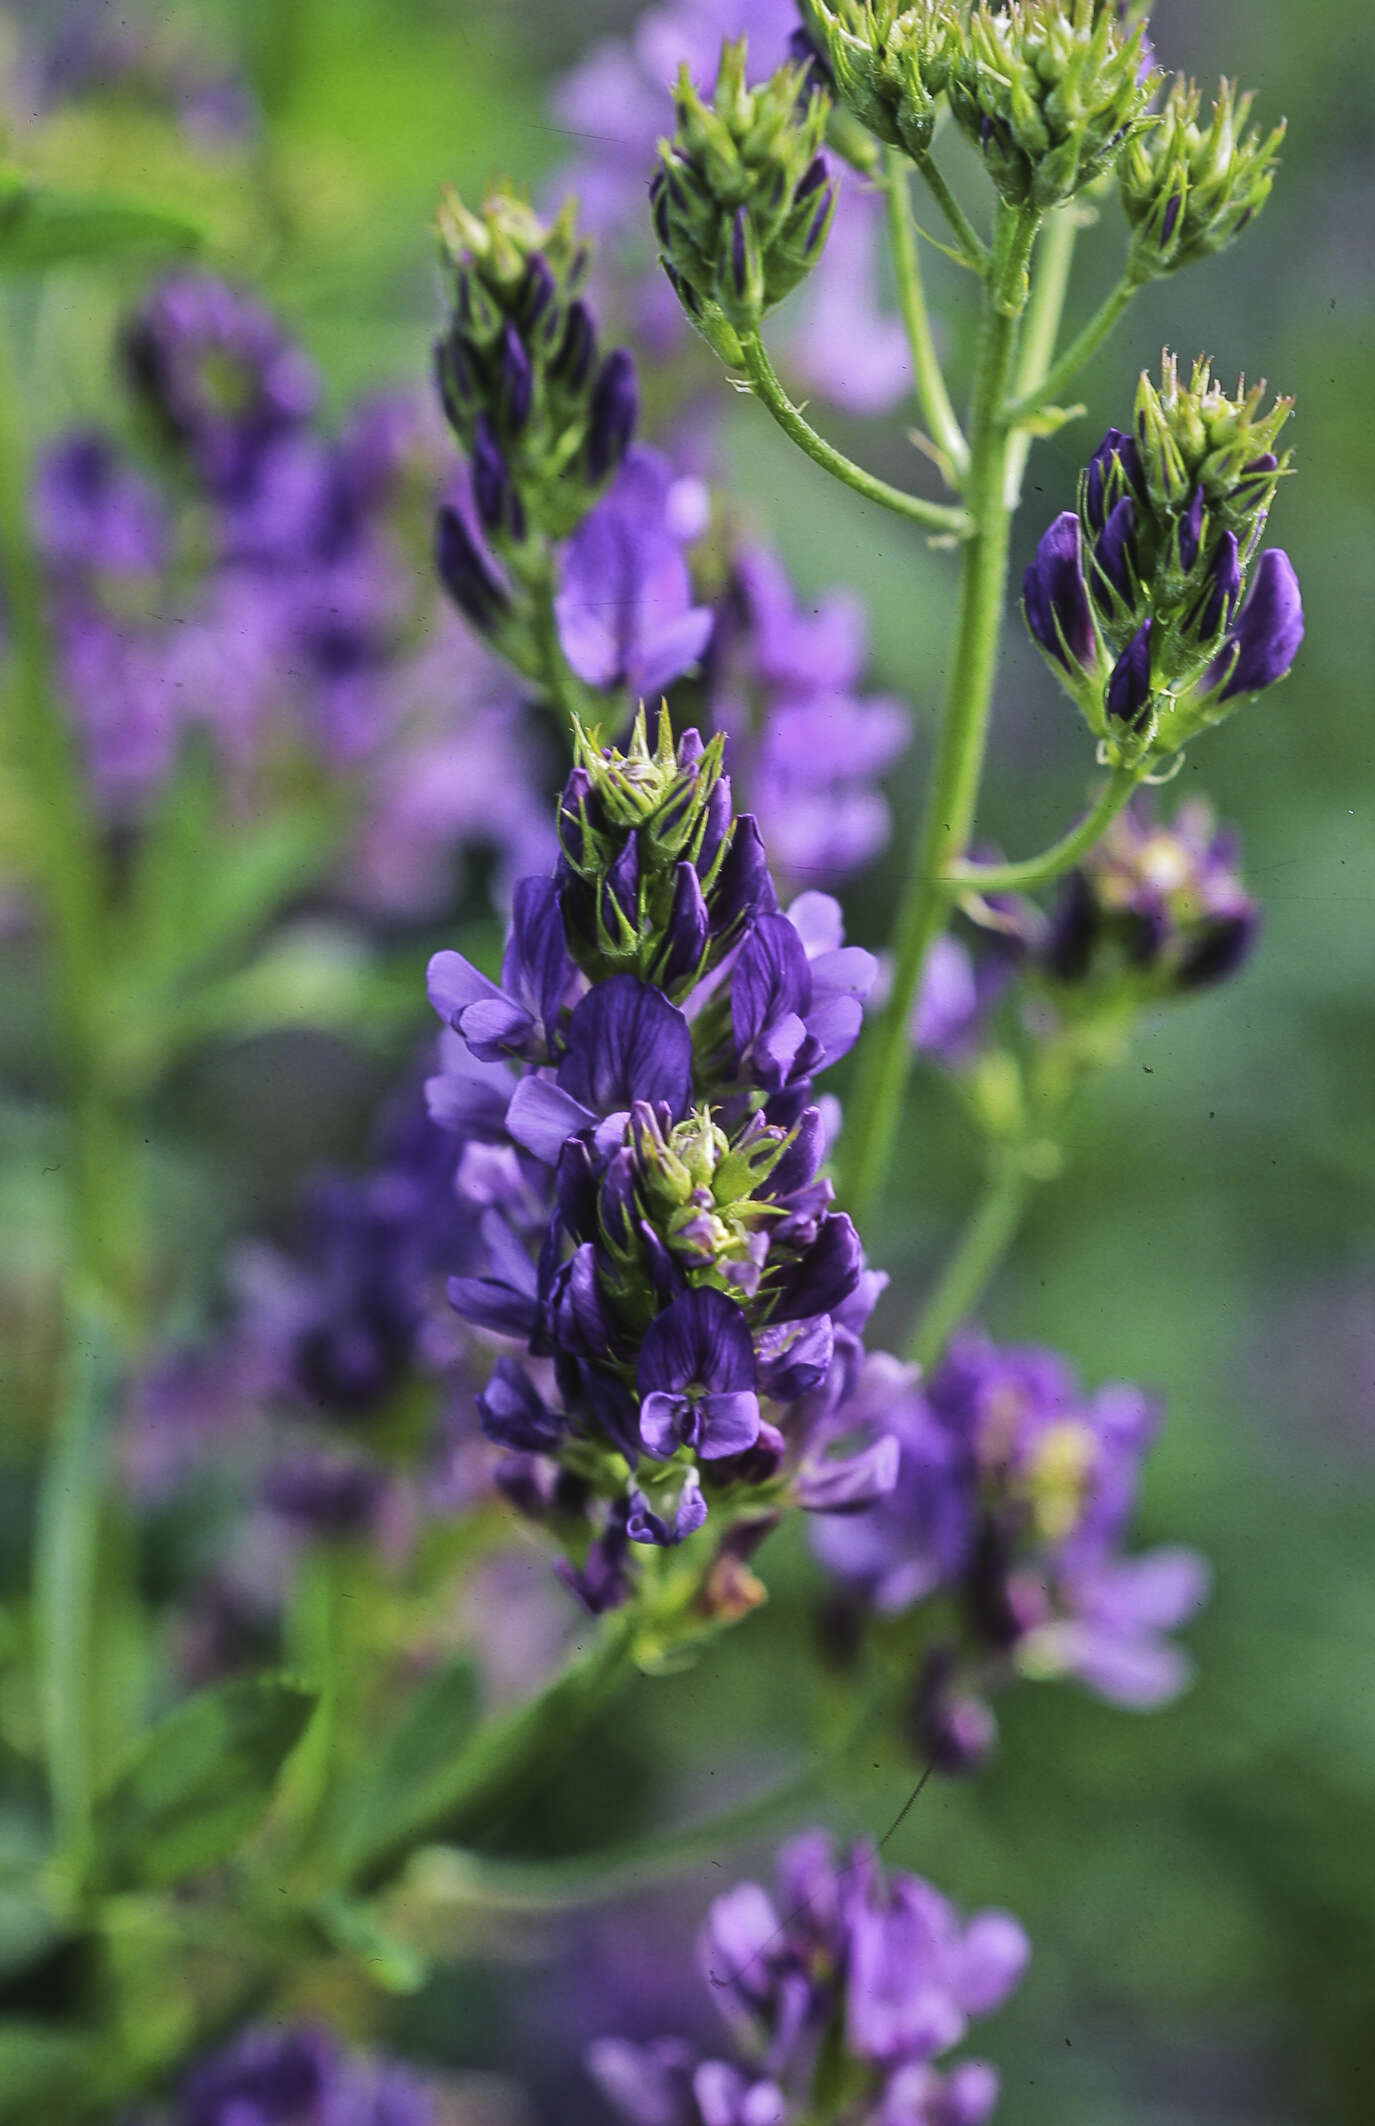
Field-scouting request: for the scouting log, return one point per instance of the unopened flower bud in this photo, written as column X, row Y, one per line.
column 887, row 62
column 1050, row 92
column 1189, row 188
column 544, row 424
column 741, row 200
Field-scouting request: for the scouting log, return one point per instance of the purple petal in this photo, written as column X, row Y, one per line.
column 453, row 983
column 1269, row 629
column 990, row 1961
column 839, row 1484
column 542, row 1116
column 727, row 1424
column 626, row 1042
column 704, row 1338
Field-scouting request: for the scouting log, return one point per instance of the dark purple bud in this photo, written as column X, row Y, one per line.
column 1172, row 213
column 1129, row 689
column 822, row 1279
column 658, row 208
column 572, row 806
column 1218, row 602
column 468, row 573
column 813, row 177
column 454, row 381
column 1055, row 597
column 1254, row 485
column 491, row 481
column 820, row 222
column 1189, row 534
column 688, row 929
column 620, row 894
column 1268, row 632
column 615, row 407
column 577, row 349
column 685, row 292
column 517, row 382
column 740, row 884
column 576, row 1308
column 604, row 1582
column 740, row 252
column 1114, row 555
column 1117, row 455
column 1221, row 948
column 537, row 291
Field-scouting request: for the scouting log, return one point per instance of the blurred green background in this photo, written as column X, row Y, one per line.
column 1199, row 1885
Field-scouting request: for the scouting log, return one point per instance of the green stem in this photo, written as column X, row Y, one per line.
column 1059, row 858
column 885, row 1056
column 939, row 414
column 66, row 1549
column 1044, row 312
column 972, row 245
column 769, row 391
column 1079, row 350
column 67, row 865
column 986, row 1239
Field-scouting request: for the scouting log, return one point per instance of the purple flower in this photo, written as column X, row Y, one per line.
column 625, row 1043
column 1014, row 1493
column 521, row 1019
column 797, row 994
column 295, row 2077
column 624, row 607
column 214, row 365
column 696, row 1378
column 93, row 512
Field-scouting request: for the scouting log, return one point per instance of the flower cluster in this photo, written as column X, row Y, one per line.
column 840, row 1996
column 1013, row 1499
column 1157, row 909
column 1188, row 190
column 784, row 682
column 643, row 1147
column 1138, row 600
column 840, row 343
column 1049, row 93
column 887, row 62
column 299, row 2076
column 742, row 198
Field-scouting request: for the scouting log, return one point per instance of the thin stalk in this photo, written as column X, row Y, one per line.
column 972, row 245
column 1044, row 312
column 1059, row 858
column 764, row 383
column 939, row 414
column 885, row 1055
column 991, row 1230
column 68, row 873
column 66, row 1553
column 1079, row 350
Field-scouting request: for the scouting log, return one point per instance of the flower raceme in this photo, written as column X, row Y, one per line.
column 846, row 1983
column 658, row 1231
column 1138, row 600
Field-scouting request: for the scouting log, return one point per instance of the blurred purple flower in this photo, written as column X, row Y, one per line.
column 624, row 607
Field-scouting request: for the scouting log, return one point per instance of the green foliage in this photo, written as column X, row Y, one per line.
column 199, row 1783
column 42, row 225
column 403, row 1783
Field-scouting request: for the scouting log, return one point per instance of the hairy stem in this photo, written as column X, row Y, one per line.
column 885, row 1055
column 973, row 249
column 937, row 410
column 769, row 391
column 1042, row 329
column 1079, row 350
column 1052, row 863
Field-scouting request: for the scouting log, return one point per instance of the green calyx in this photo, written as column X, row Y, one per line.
column 1189, row 187
column 1051, row 92
column 742, row 200
column 1196, row 437
column 698, row 1188
column 889, row 62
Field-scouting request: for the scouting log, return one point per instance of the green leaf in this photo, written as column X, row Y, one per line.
column 199, row 1782
column 399, row 1788
column 41, row 225
column 389, row 1962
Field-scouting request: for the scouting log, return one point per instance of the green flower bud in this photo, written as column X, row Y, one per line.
column 1050, row 92
column 1195, row 439
column 742, row 198
column 1187, row 188
column 889, row 61
column 543, row 416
